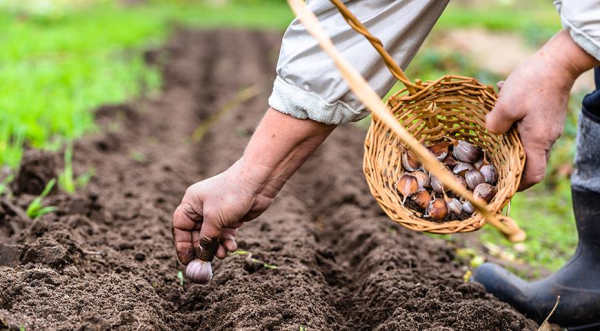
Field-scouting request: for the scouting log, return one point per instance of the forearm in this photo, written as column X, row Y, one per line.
column 279, row 146
column 563, row 53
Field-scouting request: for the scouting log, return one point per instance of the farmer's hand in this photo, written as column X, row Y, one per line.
column 535, row 97
column 206, row 221
column 214, row 209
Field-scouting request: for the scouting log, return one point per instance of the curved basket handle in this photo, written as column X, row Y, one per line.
column 516, row 235
column 370, row 98
column 377, row 44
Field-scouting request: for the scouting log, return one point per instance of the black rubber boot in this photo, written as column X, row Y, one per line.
column 577, row 283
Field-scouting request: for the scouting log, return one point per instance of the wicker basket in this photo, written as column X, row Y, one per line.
column 452, row 106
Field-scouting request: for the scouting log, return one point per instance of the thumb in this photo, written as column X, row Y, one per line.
column 500, row 85
column 501, row 118
column 207, row 243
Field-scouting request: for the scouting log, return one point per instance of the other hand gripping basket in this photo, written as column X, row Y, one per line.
column 452, row 106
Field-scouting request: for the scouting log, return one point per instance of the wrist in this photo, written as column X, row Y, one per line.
column 566, row 56
column 250, row 176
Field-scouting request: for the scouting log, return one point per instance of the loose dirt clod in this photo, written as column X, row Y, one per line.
column 36, row 170
column 337, row 266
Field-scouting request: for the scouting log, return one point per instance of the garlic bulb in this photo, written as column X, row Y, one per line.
column 440, row 149
column 467, row 152
column 410, row 161
column 461, row 181
column 450, row 161
column 437, row 209
column 479, row 163
column 468, row 207
column 454, row 206
column 436, row 184
column 474, row 178
column 407, row 185
column 489, row 173
column 461, row 168
column 199, row 271
column 484, row 192
column 422, row 179
column 422, row 198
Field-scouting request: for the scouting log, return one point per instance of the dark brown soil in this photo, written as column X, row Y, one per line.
column 104, row 258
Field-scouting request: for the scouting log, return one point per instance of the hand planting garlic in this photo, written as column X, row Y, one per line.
column 429, row 196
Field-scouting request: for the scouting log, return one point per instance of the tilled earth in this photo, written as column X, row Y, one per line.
column 324, row 257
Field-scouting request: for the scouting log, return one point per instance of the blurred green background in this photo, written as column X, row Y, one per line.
column 59, row 59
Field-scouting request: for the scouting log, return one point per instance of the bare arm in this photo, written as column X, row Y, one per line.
column 213, row 209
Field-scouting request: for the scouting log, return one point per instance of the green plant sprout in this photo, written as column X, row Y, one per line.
column 5, row 182
column 180, row 276
column 138, row 156
column 36, row 209
column 66, row 181
column 249, row 256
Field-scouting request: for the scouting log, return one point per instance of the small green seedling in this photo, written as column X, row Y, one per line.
column 180, row 276
column 5, row 182
column 302, row 328
column 249, row 256
column 138, row 157
column 66, row 181
column 36, row 209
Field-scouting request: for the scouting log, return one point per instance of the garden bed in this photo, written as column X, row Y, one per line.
column 324, row 257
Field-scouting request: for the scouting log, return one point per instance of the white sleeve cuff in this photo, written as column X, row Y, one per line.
column 289, row 99
column 581, row 18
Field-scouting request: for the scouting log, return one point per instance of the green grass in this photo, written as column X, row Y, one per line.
column 501, row 18
column 55, row 68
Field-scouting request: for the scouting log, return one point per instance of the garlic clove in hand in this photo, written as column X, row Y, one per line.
column 199, row 271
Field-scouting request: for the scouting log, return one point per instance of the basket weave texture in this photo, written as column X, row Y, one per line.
column 454, row 107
